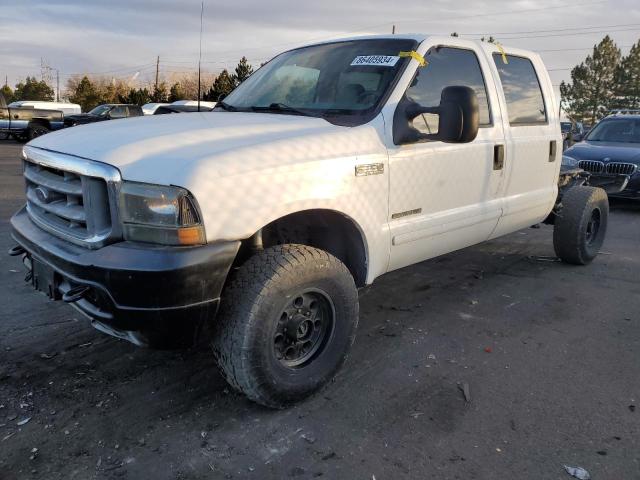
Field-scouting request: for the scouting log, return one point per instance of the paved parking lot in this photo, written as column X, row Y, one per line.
column 550, row 353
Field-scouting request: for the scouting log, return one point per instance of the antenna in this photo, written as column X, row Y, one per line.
column 200, row 53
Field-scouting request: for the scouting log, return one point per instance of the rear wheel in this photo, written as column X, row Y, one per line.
column 581, row 224
column 37, row 130
column 286, row 323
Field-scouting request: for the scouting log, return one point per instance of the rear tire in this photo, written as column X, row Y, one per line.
column 581, row 224
column 37, row 130
column 286, row 322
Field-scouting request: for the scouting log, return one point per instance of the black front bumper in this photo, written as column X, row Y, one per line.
column 150, row 295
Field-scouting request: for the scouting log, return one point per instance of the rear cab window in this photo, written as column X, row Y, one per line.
column 522, row 90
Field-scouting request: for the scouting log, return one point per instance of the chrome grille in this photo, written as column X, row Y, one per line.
column 71, row 197
column 621, row 168
column 592, row 166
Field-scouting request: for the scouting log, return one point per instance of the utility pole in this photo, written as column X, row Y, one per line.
column 200, row 53
column 393, row 30
column 57, row 85
column 157, row 73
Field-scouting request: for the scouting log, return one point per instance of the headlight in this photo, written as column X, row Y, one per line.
column 160, row 214
column 569, row 161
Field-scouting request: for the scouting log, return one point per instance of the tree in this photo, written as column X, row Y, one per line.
column 135, row 96
column 628, row 80
column 32, row 89
column 7, row 93
column 176, row 93
column 592, row 91
column 85, row 94
column 242, row 72
column 159, row 94
column 222, row 85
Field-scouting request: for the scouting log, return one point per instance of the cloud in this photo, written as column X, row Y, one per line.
column 121, row 37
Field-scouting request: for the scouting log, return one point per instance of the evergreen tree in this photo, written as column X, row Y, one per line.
column 242, row 72
column 7, row 93
column 32, row 89
column 176, row 93
column 592, row 91
column 86, row 94
column 628, row 80
column 222, row 86
column 138, row 96
column 160, row 94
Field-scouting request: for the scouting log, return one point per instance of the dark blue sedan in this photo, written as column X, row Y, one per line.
column 612, row 148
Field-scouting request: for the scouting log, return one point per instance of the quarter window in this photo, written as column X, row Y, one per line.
column 522, row 91
column 447, row 67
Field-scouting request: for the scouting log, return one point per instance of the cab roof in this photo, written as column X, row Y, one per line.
column 442, row 39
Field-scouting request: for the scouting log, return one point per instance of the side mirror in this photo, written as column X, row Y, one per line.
column 458, row 118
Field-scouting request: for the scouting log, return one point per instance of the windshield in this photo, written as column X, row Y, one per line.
column 623, row 130
column 348, row 78
column 100, row 110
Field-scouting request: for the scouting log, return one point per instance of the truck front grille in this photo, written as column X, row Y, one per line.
column 621, row 168
column 71, row 197
column 592, row 166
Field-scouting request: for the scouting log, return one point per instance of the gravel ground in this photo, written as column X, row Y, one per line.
column 550, row 354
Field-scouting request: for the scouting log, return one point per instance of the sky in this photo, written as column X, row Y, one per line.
column 122, row 39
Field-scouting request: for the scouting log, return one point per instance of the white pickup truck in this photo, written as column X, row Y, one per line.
column 331, row 165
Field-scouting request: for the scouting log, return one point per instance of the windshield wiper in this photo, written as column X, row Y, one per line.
column 281, row 107
column 226, row 106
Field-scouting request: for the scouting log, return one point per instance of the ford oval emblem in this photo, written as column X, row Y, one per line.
column 43, row 195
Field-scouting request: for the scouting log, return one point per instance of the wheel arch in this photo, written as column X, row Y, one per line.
column 326, row 229
column 40, row 121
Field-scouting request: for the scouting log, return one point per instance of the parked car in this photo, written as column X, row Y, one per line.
column 27, row 123
column 572, row 132
column 331, row 165
column 107, row 111
column 164, row 109
column 66, row 108
column 612, row 149
column 150, row 108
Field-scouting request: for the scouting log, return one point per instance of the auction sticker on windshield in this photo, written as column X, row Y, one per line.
column 375, row 60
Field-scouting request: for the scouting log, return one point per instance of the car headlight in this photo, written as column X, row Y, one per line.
column 569, row 161
column 160, row 214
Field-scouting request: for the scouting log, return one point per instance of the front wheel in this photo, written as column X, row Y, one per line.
column 581, row 224
column 286, row 323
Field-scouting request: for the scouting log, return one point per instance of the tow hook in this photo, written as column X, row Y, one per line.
column 17, row 250
column 74, row 294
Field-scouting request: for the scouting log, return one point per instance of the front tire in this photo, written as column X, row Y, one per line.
column 581, row 225
column 286, row 323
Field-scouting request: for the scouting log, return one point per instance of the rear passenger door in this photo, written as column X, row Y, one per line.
column 533, row 142
column 446, row 196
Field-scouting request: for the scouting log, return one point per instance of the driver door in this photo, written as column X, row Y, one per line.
column 446, row 196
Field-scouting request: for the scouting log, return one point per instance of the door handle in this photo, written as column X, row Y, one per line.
column 552, row 150
column 498, row 157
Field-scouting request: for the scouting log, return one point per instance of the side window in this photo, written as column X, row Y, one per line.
column 448, row 66
column 118, row 112
column 525, row 103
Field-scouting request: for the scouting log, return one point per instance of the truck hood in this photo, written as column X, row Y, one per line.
column 169, row 149
column 616, row 152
